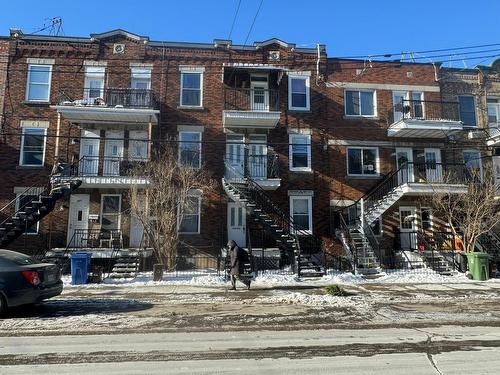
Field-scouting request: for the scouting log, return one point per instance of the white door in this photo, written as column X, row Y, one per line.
column 136, row 228
column 235, row 157
column 259, row 98
column 433, row 167
column 408, row 227
column 496, row 171
column 78, row 220
column 89, row 153
column 236, row 223
column 257, row 157
column 400, row 102
column 404, row 162
column 113, row 153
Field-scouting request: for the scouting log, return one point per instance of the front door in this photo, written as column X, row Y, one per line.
column 236, row 223
column 404, row 163
column 433, row 168
column 78, row 221
column 259, row 93
column 89, row 153
column 408, row 227
column 113, row 153
column 235, row 157
column 257, row 157
column 136, row 227
column 400, row 102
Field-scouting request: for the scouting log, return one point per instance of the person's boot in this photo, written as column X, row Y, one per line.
column 248, row 284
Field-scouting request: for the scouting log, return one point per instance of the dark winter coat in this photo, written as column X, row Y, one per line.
column 238, row 257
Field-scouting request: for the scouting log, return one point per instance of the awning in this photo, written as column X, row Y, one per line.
column 95, row 115
column 415, row 128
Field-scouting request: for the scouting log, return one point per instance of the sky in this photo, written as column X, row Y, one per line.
column 348, row 27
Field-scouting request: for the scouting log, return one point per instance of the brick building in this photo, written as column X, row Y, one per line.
column 292, row 136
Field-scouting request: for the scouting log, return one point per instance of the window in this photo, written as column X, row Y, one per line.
column 362, row 161
column 298, row 93
column 191, row 89
column 94, row 82
column 21, row 202
column 301, row 212
column 300, row 152
column 141, row 78
column 473, row 167
column 417, row 104
column 426, row 213
column 138, row 145
column 33, row 147
column 39, row 83
column 360, row 103
column 190, row 149
column 190, row 217
column 467, row 110
column 493, row 110
column 110, row 212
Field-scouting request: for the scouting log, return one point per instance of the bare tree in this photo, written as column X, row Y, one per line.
column 170, row 195
column 472, row 213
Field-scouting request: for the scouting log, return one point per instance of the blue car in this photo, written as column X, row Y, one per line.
column 24, row 281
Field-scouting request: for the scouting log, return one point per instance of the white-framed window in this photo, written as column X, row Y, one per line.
column 33, row 142
column 191, row 89
column 111, row 211
column 300, row 152
column 189, row 222
column 362, row 161
column 301, row 212
column 426, row 216
column 473, row 164
column 140, row 78
column 138, row 145
column 417, row 103
column 467, row 106
column 493, row 110
column 22, row 200
column 190, row 149
column 298, row 92
column 360, row 103
column 94, row 82
column 39, row 80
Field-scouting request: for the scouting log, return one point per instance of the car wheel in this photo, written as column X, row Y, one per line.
column 3, row 305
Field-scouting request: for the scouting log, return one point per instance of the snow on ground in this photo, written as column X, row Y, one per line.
column 270, row 279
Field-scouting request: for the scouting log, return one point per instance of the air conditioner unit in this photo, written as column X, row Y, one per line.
column 274, row 55
column 118, row 48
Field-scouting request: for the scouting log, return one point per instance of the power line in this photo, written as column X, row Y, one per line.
column 234, row 19
column 253, row 23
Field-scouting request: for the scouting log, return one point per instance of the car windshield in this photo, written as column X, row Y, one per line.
column 16, row 258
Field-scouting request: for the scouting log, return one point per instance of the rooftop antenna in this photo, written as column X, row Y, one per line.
column 53, row 25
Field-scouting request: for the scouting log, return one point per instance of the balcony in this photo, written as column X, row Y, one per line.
column 251, row 108
column 107, row 172
column 263, row 169
column 117, row 105
column 424, row 119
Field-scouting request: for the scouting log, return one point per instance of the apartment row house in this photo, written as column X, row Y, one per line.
column 307, row 150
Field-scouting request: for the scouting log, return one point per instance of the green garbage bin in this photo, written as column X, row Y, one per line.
column 478, row 265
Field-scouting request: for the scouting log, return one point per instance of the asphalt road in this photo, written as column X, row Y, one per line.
column 438, row 350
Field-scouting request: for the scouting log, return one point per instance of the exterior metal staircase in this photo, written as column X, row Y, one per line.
column 126, row 266
column 20, row 214
column 299, row 248
column 357, row 218
column 490, row 242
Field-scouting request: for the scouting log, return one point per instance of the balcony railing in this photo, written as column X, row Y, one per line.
column 106, row 166
column 425, row 110
column 96, row 238
column 109, row 98
column 257, row 167
column 259, row 100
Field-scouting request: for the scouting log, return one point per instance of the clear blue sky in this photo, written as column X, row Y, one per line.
column 347, row 27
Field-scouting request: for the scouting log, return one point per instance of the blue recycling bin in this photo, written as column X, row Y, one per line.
column 80, row 267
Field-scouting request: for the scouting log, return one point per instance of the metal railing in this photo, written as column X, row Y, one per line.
column 261, row 100
column 258, row 167
column 105, row 166
column 425, row 110
column 95, row 239
column 109, row 97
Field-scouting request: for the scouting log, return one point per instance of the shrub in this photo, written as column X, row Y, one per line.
column 335, row 290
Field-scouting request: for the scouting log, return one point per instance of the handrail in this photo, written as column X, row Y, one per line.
column 350, row 243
